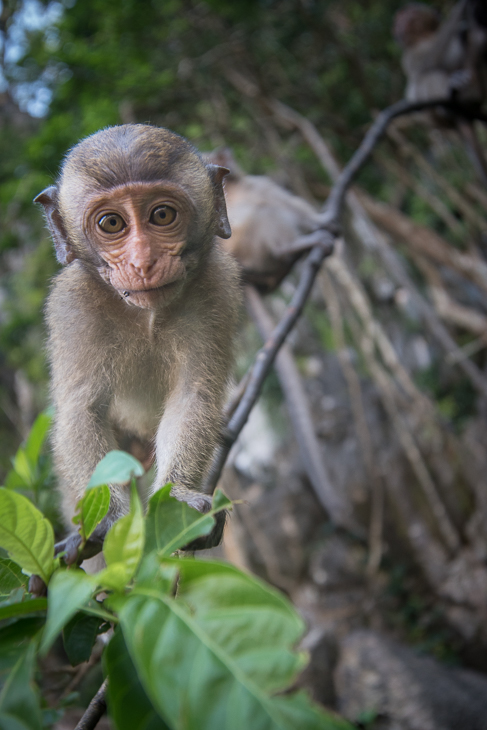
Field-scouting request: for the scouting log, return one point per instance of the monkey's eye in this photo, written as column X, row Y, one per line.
column 163, row 215
column 111, row 223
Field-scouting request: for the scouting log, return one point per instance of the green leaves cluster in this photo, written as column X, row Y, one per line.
column 197, row 644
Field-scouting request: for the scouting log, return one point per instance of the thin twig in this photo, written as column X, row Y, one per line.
column 95, row 710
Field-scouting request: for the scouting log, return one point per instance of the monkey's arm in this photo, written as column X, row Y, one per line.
column 185, row 441
column 434, row 53
column 81, row 395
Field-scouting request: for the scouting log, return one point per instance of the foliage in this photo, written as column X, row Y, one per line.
column 197, row 643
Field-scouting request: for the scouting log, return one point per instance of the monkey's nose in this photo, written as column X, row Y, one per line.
column 143, row 268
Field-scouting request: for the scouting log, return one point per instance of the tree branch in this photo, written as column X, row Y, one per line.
column 95, row 709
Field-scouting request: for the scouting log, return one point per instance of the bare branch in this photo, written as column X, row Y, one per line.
column 95, row 710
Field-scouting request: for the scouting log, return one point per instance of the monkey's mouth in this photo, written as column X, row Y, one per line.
column 135, row 292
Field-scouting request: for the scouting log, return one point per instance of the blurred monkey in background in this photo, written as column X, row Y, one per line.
column 447, row 60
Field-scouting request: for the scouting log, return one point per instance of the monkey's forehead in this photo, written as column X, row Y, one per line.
column 134, row 153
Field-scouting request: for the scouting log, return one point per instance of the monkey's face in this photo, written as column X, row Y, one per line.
column 414, row 23
column 140, row 231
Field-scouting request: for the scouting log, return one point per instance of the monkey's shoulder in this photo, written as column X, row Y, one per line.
column 78, row 302
column 219, row 285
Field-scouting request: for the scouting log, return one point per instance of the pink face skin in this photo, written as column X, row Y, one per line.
column 139, row 230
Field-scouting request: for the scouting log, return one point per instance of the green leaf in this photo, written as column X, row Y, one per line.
column 297, row 711
column 117, row 467
column 79, row 636
column 37, row 437
column 128, row 705
column 92, row 508
column 123, row 547
column 26, row 534
column 19, row 702
column 220, row 501
column 212, row 658
column 23, row 608
column 69, row 590
column 11, row 576
column 23, row 467
column 172, row 525
column 264, row 624
column 156, row 575
column 14, row 481
column 14, row 638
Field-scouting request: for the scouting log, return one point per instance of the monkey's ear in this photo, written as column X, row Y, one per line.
column 217, row 174
column 48, row 198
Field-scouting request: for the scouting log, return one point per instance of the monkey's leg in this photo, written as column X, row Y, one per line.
column 301, row 418
column 474, row 149
column 185, row 441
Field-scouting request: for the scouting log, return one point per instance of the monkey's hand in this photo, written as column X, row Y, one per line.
column 70, row 547
column 202, row 503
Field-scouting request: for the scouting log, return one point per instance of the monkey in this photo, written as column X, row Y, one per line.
column 271, row 228
column 141, row 318
column 447, row 61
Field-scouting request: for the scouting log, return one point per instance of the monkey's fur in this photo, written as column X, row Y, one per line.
column 152, row 362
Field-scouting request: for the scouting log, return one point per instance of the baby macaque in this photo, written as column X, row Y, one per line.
column 142, row 317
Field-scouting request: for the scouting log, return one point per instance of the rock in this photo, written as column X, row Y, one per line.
column 378, row 678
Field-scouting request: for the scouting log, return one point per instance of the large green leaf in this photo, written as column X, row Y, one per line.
column 172, row 525
column 26, row 534
column 123, row 547
column 11, row 576
column 255, row 622
column 117, row 467
column 19, row 703
column 92, row 508
column 128, row 705
column 213, row 663
column 69, row 590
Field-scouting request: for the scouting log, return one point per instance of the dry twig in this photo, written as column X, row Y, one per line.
column 95, row 710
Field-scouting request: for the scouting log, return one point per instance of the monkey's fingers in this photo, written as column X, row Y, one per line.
column 37, row 586
column 70, row 546
column 202, row 503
